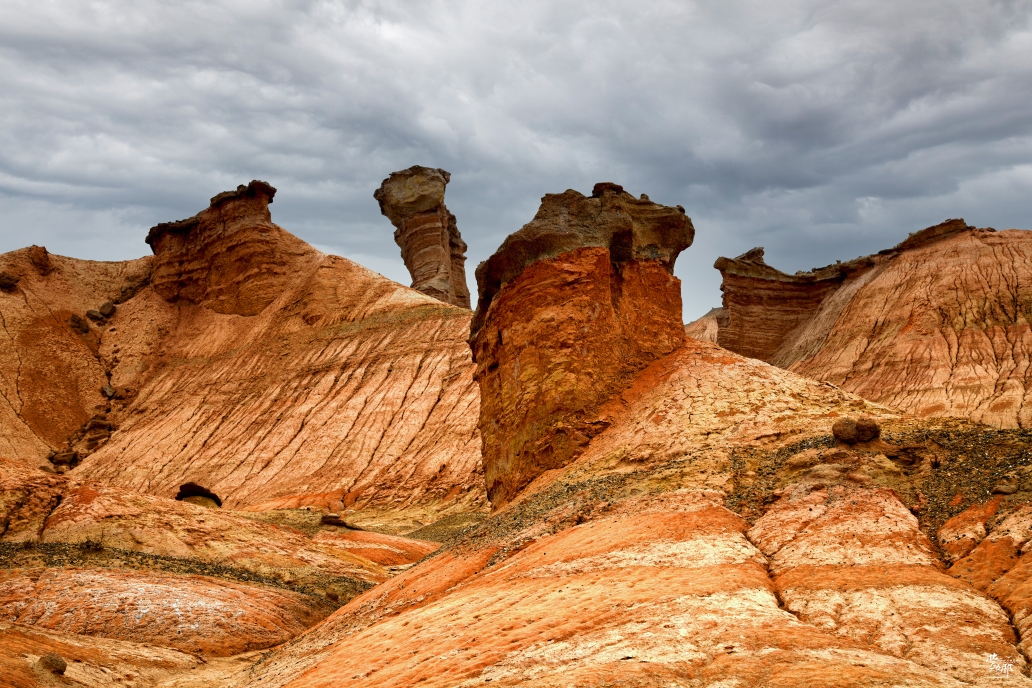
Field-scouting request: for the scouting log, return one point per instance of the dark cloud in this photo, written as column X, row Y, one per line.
column 821, row 130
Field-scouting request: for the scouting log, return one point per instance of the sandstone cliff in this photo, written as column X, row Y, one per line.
column 433, row 250
column 938, row 325
column 569, row 308
column 241, row 359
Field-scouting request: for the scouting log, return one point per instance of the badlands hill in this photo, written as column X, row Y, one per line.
column 936, row 326
column 663, row 511
column 242, row 360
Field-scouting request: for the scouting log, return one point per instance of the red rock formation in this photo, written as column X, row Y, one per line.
column 50, row 375
column 433, row 250
column 627, row 566
column 765, row 305
column 195, row 614
column 38, row 507
column 570, row 307
column 244, row 361
column 937, row 325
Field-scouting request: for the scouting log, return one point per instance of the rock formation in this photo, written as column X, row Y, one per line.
column 713, row 534
column 433, row 250
column 569, row 308
column 675, row 514
column 241, row 359
column 938, row 325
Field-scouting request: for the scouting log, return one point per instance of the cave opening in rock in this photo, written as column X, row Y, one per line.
column 195, row 494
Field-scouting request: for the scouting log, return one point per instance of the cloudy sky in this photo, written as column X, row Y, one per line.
column 820, row 130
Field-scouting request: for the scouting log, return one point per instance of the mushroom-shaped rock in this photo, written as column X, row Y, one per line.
column 571, row 306
column 433, row 250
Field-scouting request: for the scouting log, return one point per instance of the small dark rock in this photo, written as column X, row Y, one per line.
column 867, row 429
column 47, row 468
column 95, row 316
column 1005, row 489
column 65, row 458
column 40, row 259
column 77, row 323
column 107, row 309
column 98, row 423
column 844, row 430
column 7, row 281
column 332, row 520
column 53, row 662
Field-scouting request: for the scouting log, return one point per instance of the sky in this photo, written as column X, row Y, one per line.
column 819, row 130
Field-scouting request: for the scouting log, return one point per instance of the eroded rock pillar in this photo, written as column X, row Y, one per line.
column 433, row 250
column 570, row 307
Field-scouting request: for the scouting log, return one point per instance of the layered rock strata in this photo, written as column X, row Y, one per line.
column 630, row 566
column 431, row 246
column 938, row 325
column 570, row 307
column 242, row 360
column 220, row 618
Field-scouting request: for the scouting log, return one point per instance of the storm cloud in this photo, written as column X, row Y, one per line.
column 820, row 130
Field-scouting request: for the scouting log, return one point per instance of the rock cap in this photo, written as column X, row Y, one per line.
column 630, row 228
column 415, row 190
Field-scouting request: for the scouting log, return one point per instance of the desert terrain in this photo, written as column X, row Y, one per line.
column 240, row 461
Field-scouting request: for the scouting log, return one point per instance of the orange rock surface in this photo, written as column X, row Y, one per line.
column 626, row 566
column 937, row 325
column 667, row 512
column 243, row 360
column 91, row 661
column 195, row 614
column 558, row 332
column 49, row 509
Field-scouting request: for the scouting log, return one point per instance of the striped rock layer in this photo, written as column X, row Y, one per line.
column 938, row 325
column 242, row 360
column 630, row 565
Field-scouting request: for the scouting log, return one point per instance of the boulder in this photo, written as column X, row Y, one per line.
column 78, row 324
column 844, row 430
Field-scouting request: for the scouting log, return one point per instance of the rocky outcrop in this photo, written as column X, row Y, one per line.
column 713, row 534
column 570, row 307
column 241, row 359
column 433, row 250
column 763, row 305
column 938, row 325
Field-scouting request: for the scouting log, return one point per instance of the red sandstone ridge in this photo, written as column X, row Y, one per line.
column 433, row 250
column 570, row 307
column 938, row 325
column 241, row 359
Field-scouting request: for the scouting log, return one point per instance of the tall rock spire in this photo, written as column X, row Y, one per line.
column 433, row 250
